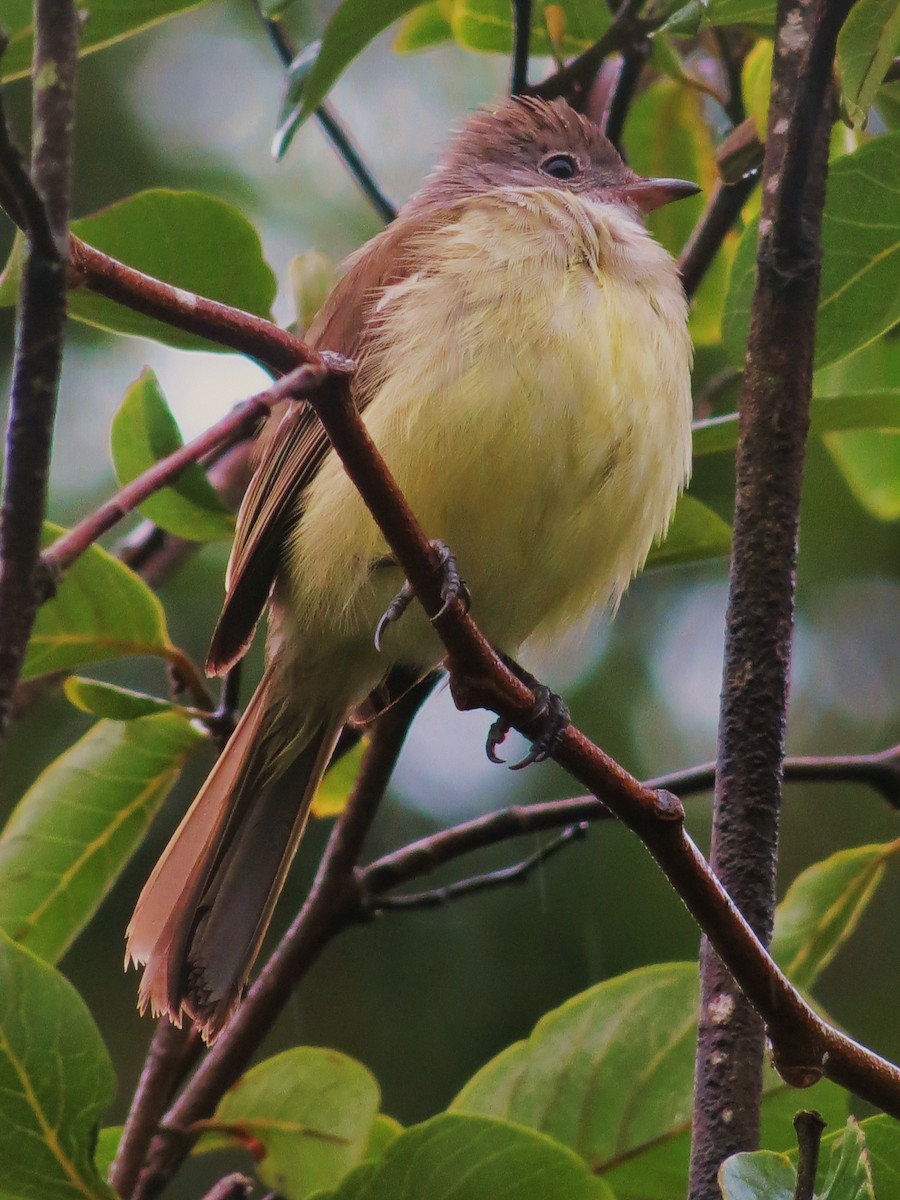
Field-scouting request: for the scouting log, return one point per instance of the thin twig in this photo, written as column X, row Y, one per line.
column 774, row 408
column 633, row 62
column 573, row 81
column 234, row 427
column 334, row 902
column 711, row 230
column 518, row 83
column 809, row 1128
column 731, row 65
column 519, row 872
column 331, row 126
column 40, row 329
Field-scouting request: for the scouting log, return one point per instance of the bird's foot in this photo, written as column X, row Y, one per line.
column 551, row 710
column 452, row 588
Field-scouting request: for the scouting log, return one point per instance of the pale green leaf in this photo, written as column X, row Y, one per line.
column 107, row 1148
column 143, row 432
column 882, row 1136
column 761, row 1175
column 456, row 1157
column 426, row 26
column 869, row 460
column 117, row 703
column 334, row 791
column 56, row 1081
column 105, row 22
column 866, row 45
column 308, row 1115
column 79, row 823
column 487, row 25
column 860, row 287
column 756, row 84
column 849, row 1174
column 696, row 534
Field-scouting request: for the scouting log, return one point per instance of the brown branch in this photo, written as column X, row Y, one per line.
column 43, row 205
column 518, row 84
column 332, row 904
column 711, row 230
column 574, row 80
column 230, row 1187
column 234, row 427
column 774, row 419
column 805, row 1047
column 809, row 1127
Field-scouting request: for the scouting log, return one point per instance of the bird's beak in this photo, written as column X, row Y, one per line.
column 647, row 194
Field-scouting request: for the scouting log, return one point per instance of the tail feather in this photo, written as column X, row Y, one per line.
column 203, row 913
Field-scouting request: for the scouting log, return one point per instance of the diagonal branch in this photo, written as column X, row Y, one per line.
column 42, row 203
column 574, row 80
column 518, row 84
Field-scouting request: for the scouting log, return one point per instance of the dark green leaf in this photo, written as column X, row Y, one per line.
column 106, row 21
column 456, row 1157
column 696, row 534
column 822, row 908
column 859, row 296
column 187, row 239
column 870, row 462
column 56, row 1081
column 867, row 43
column 758, row 14
column 79, row 823
column 144, row 431
column 100, row 610
column 761, row 1175
column 116, row 703
column 862, row 410
column 308, row 1115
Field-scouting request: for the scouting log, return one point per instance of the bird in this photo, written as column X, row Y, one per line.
column 522, row 362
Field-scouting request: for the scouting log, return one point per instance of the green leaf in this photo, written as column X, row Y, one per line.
column 107, row 21
column 610, row 1075
column 101, row 610
column 882, row 1136
column 424, row 27
column 696, row 534
column 307, row 1115
column 187, row 239
column 860, row 410
column 761, row 1175
column 117, row 703
column 757, row 14
column 849, row 1171
column 334, row 791
column 79, row 823
column 870, row 462
column 107, row 1148
column 866, row 45
column 487, row 25
column 56, row 1081
column 756, row 84
column 384, row 1130
column 143, row 432
column 456, row 1157
column 352, row 26
column 822, row 908
column 859, row 298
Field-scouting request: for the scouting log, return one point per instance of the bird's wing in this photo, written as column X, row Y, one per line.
column 293, row 443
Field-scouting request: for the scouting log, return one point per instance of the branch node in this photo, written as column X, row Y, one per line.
column 668, row 806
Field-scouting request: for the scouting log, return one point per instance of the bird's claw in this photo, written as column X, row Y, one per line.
column 549, row 708
column 452, row 588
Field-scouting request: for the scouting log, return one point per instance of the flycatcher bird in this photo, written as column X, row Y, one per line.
column 523, row 364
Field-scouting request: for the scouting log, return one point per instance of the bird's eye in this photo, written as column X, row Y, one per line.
column 560, row 166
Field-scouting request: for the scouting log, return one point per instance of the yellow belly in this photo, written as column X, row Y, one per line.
column 533, row 404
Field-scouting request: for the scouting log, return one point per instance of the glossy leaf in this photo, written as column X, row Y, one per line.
column 352, row 26
column 117, row 703
column 866, row 45
column 869, row 460
column 79, row 823
column 487, row 25
column 859, row 296
column 56, row 1081
column 822, row 908
column 334, row 791
column 610, row 1074
column 106, row 21
column 426, row 26
column 696, row 534
column 307, row 1115
column 143, row 432
column 862, row 410
column 178, row 237
column 456, row 1157
column 760, row 1175
column 101, row 610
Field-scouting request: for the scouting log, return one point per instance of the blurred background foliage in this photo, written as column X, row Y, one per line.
column 424, row 998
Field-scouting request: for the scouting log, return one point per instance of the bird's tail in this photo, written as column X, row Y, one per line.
column 203, row 913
